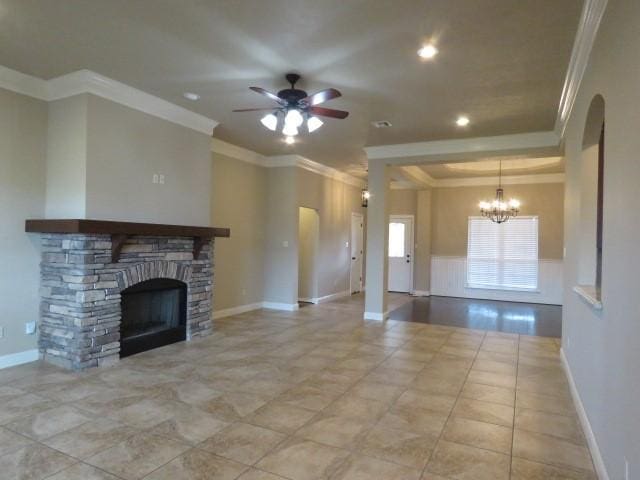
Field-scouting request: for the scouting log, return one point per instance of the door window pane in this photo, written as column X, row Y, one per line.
column 396, row 239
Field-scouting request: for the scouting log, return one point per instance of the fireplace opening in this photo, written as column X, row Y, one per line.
column 153, row 314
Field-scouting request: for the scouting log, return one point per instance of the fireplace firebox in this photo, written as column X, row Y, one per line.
column 153, row 315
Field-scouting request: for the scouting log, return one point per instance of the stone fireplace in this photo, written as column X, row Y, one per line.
column 95, row 274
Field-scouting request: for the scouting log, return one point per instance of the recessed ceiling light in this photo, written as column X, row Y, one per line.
column 289, row 140
column 428, row 51
column 462, row 121
column 191, row 96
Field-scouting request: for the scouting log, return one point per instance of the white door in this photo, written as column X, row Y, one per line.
column 400, row 253
column 357, row 243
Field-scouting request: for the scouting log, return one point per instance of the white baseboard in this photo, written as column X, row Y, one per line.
column 421, row 293
column 598, row 463
column 289, row 307
column 376, row 315
column 227, row 312
column 19, row 358
column 331, row 297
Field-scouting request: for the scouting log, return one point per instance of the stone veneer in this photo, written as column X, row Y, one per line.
column 80, row 291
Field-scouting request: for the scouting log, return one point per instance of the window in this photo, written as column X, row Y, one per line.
column 396, row 239
column 503, row 256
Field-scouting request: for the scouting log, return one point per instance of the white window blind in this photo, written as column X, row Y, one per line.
column 503, row 256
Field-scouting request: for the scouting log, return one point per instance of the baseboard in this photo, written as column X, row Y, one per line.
column 19, row 358
column 598, row 463
column 421, row 293
column 331, row 297
column 227, row 312
column 289, row 307
column 376, row 315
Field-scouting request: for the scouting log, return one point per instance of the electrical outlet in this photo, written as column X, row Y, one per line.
column 155, row 178
column 161, row 179
column 30, row 328
column 285, row 243
column 346, row 244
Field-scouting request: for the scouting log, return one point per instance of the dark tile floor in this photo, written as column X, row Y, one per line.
column 509, row 317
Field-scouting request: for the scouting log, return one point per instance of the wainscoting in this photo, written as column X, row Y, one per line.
column 449, row 277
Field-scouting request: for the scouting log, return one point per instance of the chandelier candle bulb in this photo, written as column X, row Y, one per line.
column 499, row 211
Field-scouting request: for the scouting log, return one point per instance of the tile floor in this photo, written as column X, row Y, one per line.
column 315, row 394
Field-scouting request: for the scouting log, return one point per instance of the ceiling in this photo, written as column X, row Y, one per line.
column 501, row 62
column 490, row 167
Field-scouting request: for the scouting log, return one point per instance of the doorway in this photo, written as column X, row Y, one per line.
column 400, row 253
column 308, row 241
column 357, row 247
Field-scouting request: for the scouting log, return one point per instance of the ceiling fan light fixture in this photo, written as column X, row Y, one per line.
column 289, row 130
column 462, row 121
column 428, row 51
column 270, row 121
column 293, row 118
column 314, row 123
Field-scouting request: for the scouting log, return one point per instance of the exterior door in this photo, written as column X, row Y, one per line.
column 400, row 253
column 357, row 243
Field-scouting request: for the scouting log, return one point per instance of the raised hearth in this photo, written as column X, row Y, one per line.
column 87, row 266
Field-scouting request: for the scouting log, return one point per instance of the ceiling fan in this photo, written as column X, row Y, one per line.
column 294, row 107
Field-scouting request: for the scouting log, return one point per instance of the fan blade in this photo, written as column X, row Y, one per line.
column 253, row 109
column 272, row 96
column 322, row 96
column 328, row 112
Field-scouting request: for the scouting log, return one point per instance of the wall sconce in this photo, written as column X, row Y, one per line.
column 365, row 197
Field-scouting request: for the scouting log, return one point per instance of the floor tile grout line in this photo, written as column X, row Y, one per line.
column 450, row 412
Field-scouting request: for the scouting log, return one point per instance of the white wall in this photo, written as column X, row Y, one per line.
column 603, row 347
column 449, row 278
column 23, row 129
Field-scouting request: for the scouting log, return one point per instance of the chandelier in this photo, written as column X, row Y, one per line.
column 498, row 210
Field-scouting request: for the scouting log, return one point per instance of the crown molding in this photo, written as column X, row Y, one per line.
column 23, row 84
column 500, row 143
column 418, row 175
column 239, row 153
column 279, row 161
column 86, row 81
column 508, row 180
column 314, row 167
column 592, row 13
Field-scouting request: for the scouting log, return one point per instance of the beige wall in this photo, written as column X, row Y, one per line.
column 281, row 251
column 308, row 239
column 334, row 201
column 101, row 158
column 23, row 130
column 238, row 192
column 451, row 208
column 67, row 158
column 602, row 347
column 125, row 147
column 422, row 272
column 403, row 202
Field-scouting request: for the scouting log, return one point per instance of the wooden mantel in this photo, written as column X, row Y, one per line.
column 120, row 231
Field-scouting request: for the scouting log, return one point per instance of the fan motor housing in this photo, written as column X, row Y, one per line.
column 292, row 95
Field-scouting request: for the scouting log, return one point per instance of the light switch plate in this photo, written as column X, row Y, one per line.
column 285, row 243
column 155, row 178
column 161, row 179
column 30, row 328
